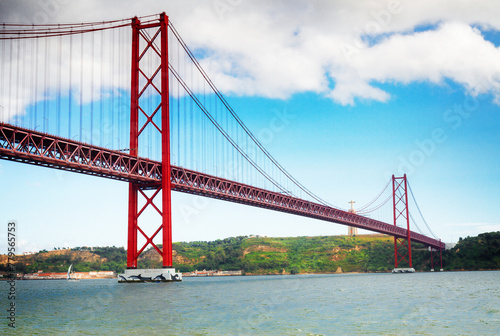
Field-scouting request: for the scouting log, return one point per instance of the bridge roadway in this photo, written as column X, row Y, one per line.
column 34, row 147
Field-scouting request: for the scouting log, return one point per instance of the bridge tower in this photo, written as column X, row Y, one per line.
column 435, row 263
column 402, row 245
column 150, row 39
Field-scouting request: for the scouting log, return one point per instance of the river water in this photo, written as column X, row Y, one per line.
column 447, row 303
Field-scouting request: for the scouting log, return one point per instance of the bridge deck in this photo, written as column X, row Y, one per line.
column 33, row 147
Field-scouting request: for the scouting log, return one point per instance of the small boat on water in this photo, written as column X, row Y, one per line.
column 71, row 274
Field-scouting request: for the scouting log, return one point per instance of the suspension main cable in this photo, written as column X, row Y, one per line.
column 421, row 215
column 373, row 200
column 15, row 31
column 240, row 122
column 216, row 124
column 18, row 34
column 376, row 207
column 409, row 213
column 415, row 223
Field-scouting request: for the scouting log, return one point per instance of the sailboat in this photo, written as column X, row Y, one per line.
column 71, row 274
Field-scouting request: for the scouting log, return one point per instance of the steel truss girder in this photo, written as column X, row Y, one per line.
column 33, row 147
column 38, row 148
column 27, row 146
column 193, row 182
column 126, row 168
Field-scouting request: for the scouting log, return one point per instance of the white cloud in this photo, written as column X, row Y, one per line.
column 453, row 51
column 470, row 229
column 27, row 246
column 349, row 87
column 276, row 49
column 490, row 228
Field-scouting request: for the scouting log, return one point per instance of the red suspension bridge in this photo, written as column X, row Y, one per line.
column 155, row 120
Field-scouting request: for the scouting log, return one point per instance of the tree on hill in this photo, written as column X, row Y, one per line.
column 474, row 253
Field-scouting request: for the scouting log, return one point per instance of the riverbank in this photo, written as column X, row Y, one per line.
column 63, row 276
column 269, row 256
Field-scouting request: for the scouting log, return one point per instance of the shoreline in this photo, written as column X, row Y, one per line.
column 242, row 275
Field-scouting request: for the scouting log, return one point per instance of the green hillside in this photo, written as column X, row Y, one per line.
column 263, row 255
column 475, row 253
column 267, row 255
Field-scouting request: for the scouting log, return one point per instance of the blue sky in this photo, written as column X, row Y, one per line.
column 411, row 99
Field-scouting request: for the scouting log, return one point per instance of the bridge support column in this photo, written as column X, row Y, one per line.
column 437, row 262
column 402, row 245
column 148, row 81
column 440, row 255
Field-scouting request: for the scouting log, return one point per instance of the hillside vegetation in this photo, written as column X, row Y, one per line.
column 475, row 253
column 100, row 259
column 266, row 255
column 323, row 254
